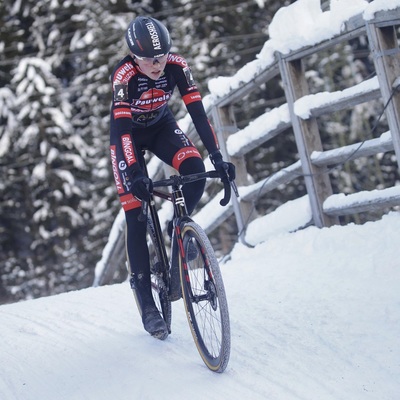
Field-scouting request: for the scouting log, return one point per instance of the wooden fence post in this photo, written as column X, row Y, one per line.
column 307, row 139
column 225, row 124
column 386, row 53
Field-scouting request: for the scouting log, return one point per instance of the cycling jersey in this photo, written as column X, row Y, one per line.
column 140, row 102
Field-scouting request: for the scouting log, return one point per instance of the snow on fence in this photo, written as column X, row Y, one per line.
column 282, row 57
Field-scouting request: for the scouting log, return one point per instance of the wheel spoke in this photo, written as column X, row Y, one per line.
column 205, row 300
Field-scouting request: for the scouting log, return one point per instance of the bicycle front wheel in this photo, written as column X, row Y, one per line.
column 205, row 299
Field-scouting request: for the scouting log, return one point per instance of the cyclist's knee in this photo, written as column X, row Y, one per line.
column 193, row 191
column 192, row 165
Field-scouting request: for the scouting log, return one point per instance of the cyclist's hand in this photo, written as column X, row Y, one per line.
column 141, row 186
column 225, row 169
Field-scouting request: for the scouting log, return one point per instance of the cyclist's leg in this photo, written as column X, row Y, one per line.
column 140, row 274
column 137, row 250
column 173, row 147
column 192, row 191
column 138, row 253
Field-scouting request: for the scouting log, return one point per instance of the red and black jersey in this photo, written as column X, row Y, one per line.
column 140, row 102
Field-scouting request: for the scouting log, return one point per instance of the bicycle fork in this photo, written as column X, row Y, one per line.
column 181, row 214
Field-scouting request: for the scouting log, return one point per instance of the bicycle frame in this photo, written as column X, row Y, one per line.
column 180, row 213
column 176, row 182
column 199, row 277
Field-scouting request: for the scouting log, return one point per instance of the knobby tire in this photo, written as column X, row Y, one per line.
column 205, row 299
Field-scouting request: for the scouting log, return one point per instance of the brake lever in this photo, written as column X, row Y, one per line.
column 227, row 192
column 228, row 185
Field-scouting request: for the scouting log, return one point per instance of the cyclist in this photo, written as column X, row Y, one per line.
column 142, row 84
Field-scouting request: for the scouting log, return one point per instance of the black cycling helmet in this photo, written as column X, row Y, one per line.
column 148, row 37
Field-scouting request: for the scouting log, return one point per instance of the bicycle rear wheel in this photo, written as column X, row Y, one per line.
column 205, row 299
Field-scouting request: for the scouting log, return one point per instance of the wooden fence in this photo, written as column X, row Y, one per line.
column 383, row 43
column 313, row 162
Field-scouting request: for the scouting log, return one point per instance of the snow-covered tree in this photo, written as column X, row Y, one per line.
column 47, row 213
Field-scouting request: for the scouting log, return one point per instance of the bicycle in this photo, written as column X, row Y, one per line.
column 199, row 275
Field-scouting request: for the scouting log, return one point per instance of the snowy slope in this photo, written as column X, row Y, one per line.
column 314, row 314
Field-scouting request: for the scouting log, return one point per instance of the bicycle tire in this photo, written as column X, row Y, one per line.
column 157, row 276
column 205, row 299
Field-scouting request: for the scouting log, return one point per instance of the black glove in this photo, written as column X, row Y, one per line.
column 224, row 169
column 142, row 186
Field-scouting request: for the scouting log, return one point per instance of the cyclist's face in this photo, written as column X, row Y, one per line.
column 152, row 67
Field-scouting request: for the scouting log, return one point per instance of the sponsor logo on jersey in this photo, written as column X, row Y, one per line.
column 191, row 97
column 121, row 103
column 125, row 180
column 129, row 202
column 124, row 73
column 127, row 148
column 187, row 153
column 177, row 59
column 183, row 154
column 117, row 177
column 122, row 113
column 142, row 118
column 151, row 99
column 184, row 139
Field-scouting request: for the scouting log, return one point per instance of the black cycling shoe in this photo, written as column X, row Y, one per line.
column 154, row 323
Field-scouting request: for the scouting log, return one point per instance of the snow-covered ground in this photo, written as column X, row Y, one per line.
column 315, row 314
